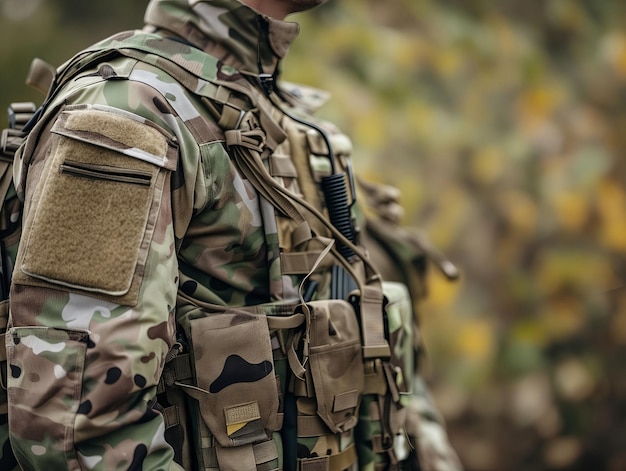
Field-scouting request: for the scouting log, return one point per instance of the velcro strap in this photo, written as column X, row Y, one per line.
column 311, row 426
column 238, row 458
column 265, row 451
column 285, row 322
column 41, row 75
column 335, row 462
column 300, row 234
column 375, row 379
column 170, row 416
column 282, row 166
column 253, row 139
column 230, row 117
column 297, row 368
column 374, row 343
column 181, row 365
column 346, row 400
column 320, row 463
column 343, row 460
column 298, row 263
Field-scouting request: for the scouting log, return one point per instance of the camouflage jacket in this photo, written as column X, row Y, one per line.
column 145, row 236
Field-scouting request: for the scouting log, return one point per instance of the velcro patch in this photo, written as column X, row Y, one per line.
column 240, row 415
column 95, row 209
column 118, row 130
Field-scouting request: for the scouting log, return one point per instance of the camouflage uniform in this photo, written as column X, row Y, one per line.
column 148, row 239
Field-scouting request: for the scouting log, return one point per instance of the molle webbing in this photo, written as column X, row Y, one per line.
column 337, row 462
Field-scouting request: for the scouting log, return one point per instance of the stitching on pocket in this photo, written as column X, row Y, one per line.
column 236, row 383
column 49, row 390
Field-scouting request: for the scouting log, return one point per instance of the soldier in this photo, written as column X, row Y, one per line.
column 191, row 290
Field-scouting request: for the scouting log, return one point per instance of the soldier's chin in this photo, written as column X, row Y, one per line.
column 302, row 5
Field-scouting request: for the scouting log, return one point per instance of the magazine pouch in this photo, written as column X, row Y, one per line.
column 235, row 380
column 335, row 362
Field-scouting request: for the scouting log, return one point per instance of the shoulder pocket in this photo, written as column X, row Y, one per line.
column 94, row 210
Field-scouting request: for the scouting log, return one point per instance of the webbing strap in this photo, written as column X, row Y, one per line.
column 240, row 458
column 229, row 117
column 371, row 300
column 281, row 166
column 301, row 233
column 246, row 457
column 344, row 459
column 265, row 451
column 311, row 426
column 246, row 147
column 374, row 343
column 170, row 416
column 40, row 75
column 308, row 186
column 285, row 322
column 320, row 463
column 298, row 263
column 336, row 462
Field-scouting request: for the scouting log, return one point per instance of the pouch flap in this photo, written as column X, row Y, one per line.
column 120, row 131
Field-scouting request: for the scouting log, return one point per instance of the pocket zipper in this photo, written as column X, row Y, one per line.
column 104, row 172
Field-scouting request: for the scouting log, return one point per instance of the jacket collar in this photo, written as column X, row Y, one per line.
column 237, row 35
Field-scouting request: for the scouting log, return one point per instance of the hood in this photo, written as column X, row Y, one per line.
column 236, row 34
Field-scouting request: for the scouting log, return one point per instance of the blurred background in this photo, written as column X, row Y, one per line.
column 504, row 124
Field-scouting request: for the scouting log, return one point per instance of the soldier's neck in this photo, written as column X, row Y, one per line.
column 272, row 8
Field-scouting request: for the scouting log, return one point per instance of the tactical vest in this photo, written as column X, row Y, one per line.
column 341, row 347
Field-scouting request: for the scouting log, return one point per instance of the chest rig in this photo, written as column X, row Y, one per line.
column 330, row 358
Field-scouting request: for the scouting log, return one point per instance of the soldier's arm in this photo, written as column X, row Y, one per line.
column 94, row 292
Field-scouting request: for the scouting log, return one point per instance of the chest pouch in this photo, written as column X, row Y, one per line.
column 235, row 379
column 335, row 364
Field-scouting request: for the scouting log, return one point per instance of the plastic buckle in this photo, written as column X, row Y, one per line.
column 10, row 141
column 20, row 113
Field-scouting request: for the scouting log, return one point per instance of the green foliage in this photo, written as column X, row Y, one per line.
column 53, row 31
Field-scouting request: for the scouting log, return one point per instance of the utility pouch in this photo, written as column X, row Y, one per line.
column 335, row 362
column 236, row 384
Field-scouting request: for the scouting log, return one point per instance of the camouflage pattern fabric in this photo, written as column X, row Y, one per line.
column 139, row 234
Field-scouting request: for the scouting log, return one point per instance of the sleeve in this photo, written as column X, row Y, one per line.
column 426, row 430
column 94, row 292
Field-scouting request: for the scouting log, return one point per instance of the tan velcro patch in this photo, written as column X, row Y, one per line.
column 240, row 415
column 95, row 208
